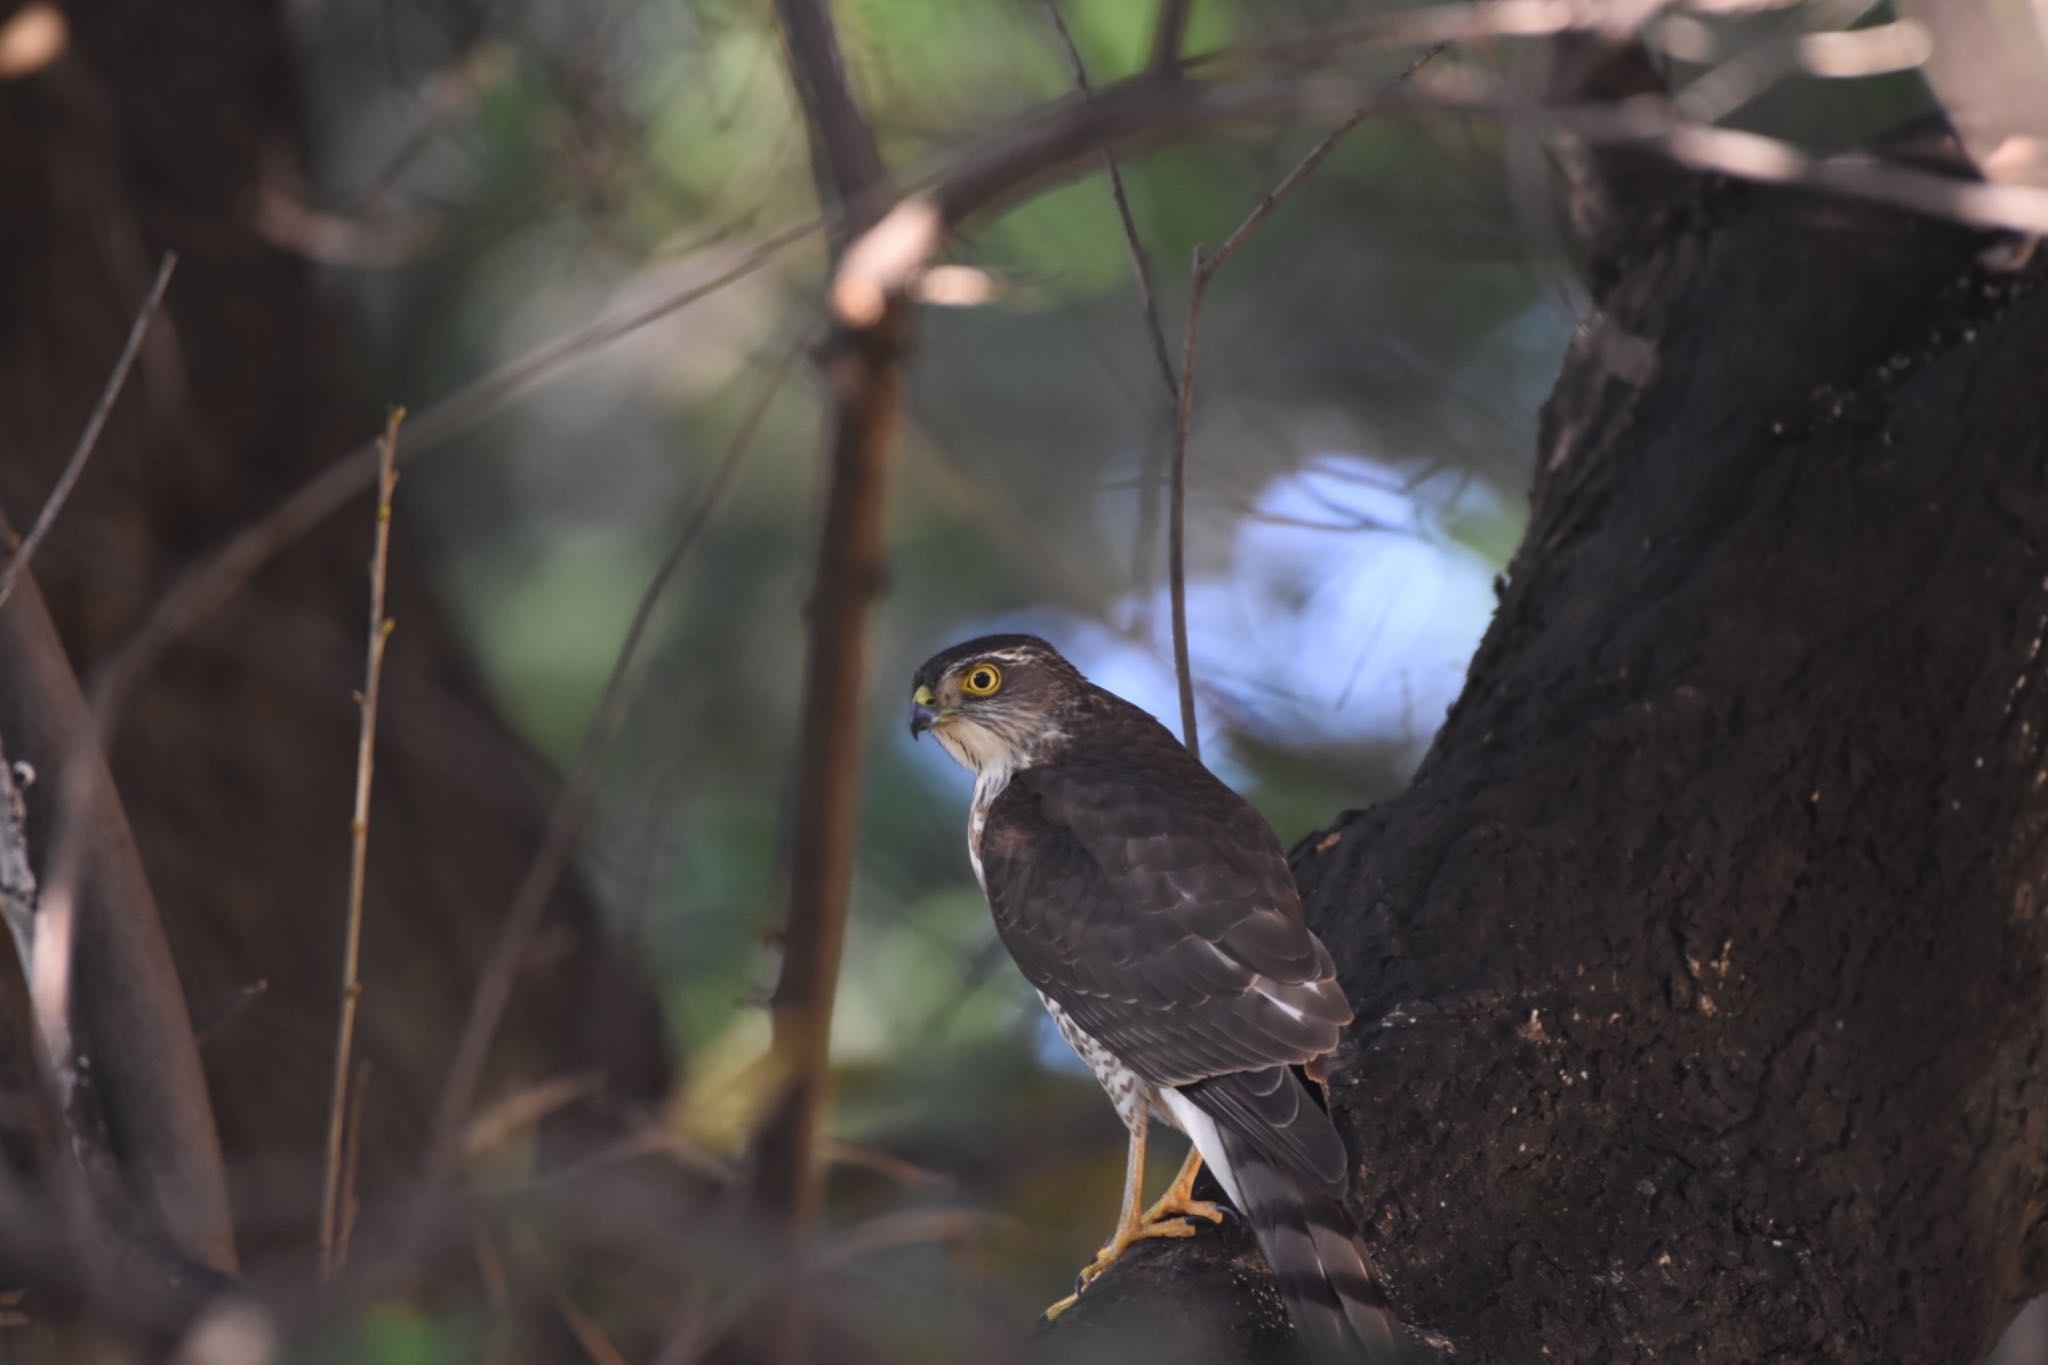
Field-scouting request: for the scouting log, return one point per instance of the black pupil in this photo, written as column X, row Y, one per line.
column 982, row 680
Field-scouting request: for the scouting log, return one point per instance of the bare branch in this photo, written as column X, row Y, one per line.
column 494, row 985
column 864, row 370
column 1052, row 143
column 1141, row 263
column 1756, row 68
column 845, row 159
column 201, row 590
column 1177, row 509
column 526, row 1109
column 1435, row 25
column 866, row 380
column 1141, row 274
column 597, row 1344
column 1206, row 267
column 1201, row 270
column 1168, row 33
column 1040, row 146
column 346, row 1204
column 89, row 438
column 1988, row 65
column 1060, row 139
column 331, row 1211
column 101, row 978
column 229, row 1008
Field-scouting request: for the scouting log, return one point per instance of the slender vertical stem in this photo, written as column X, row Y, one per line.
column 1146, row 542
column 864, row 368
column 493, row 993
column 332, row 1242
column 1168, row 33
column 1177, row 507
column 346, row 1201
column 68, row 478
column 1201, row 270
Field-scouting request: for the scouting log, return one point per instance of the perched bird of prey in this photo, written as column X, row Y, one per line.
column 1154, row 911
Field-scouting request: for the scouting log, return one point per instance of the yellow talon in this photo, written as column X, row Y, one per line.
column 1167, row 1218
column 1179, row 1198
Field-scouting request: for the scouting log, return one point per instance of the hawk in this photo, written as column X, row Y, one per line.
column 1154, row 911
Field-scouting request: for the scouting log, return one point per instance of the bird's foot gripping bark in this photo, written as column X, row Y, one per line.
column 1167, row 1218
column 1179, row 1200
column 1123, row 1240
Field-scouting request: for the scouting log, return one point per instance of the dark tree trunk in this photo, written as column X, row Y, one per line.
column 166, row 127
column 1699, row 972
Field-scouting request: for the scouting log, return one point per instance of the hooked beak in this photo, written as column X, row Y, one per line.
column 924, row 709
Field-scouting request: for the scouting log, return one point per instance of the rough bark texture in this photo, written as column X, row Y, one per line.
column 1699, row 973
column 166, row 126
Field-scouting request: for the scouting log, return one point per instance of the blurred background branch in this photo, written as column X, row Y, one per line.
column 109, row 1011
column 863, row 370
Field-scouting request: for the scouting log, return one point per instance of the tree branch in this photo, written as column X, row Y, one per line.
column 1050, row 143
column 1201, row 270
column 106, row 991
column 1169, row 31
column 89, row 438
column 1061, row 139
column 493, row 993
column 208, row 584
column 1177, row 505
column 845, row 160
column 333, row 1212
column 1146, row 539
column 864, row 369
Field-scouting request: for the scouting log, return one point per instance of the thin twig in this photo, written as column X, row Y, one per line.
column 1141, row 262
column 1201, row 271
column 351, row 1165
column 202, row 589
column 1054, row 141
column 229, row 1008
column 1057, row 140
column 1141, row 274
column 1436, row 25
column 1206, row 267
column 1177, row 505
column 908, row 1227
column 90, row 437
column 589, row 1333
column 359, row 842
column 526, row 1109
column 494, row 986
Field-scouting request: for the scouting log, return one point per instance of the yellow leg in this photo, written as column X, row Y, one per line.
column 1158, row 1221
column 1179, row 1199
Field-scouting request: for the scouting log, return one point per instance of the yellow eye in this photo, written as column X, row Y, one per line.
column 982, row 680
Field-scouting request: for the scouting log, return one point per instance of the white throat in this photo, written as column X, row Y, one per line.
column 994, row 761
column 976, row 748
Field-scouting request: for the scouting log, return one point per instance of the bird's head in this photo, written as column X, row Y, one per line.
column 994, row 700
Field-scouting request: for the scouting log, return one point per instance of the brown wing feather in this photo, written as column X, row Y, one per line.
column 1155, row 906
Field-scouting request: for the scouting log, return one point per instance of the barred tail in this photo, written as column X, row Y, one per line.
column 1338, row 1307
